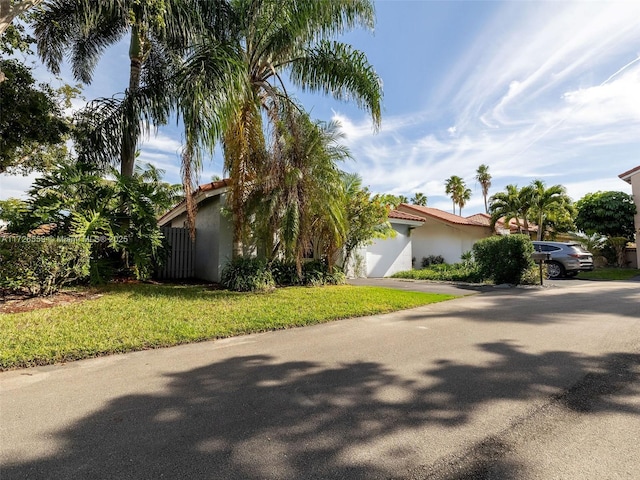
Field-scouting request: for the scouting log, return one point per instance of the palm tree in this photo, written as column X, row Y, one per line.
column 454, row 186
column 300, row 200
column 548, row 204
column 419, row 198
column 506, row 205
column 457, row 189
column 484, row 179
column 272, row 38
column 463, row 198
column 158, row 30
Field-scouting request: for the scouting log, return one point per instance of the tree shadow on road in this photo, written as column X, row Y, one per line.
column 535, row 306
column 255, row 417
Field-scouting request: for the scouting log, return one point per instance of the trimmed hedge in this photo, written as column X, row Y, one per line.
column 504, row 259
column 41, row 265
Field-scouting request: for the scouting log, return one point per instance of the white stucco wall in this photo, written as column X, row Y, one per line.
column 390, row 255
column 635, row 190
column 214, row 238
column 436, row 238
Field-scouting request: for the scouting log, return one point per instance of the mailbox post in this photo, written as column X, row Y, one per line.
column 540, row 258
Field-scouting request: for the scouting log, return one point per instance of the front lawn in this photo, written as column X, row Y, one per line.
column 610, row 273
column 138, row 317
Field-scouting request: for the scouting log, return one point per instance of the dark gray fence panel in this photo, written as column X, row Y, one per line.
column 181, row 261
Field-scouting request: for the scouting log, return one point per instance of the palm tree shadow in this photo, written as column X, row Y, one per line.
column 254, row 417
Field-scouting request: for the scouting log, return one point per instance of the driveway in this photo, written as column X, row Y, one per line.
column 508, row 384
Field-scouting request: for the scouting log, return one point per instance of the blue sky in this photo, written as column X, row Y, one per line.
column 536, row 90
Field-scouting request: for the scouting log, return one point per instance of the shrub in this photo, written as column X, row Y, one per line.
column 532, row 275
column 317, row 272
column 458, row 272
column 432, row 260
column 504, row 259
column 285, row 273
column 41, row 266
column 247, row 275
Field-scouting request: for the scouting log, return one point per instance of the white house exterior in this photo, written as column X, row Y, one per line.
column 419, row 232
column 384, row 257
column 214, row 232
column 633, row 177
column 444, row 233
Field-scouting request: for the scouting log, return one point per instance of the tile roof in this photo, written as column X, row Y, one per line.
column 481, row 218
column 626, row 176
column 199, row 196
column 405, row 216
column 214, row 185
column 429, row 212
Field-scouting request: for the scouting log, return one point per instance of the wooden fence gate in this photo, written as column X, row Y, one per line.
column 180, row 263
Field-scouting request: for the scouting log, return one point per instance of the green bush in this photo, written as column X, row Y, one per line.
column 42, row 265
column 432, row 260
column 317, row 272
column 245, row 274
column 458, row 272
column 504, row 259
column 254, row 275
column 285, row 273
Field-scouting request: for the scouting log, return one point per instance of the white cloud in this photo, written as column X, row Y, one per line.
column 548, row 90
column 15, row 186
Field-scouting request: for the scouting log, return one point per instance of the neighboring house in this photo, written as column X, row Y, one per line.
column 633, row 177
column 214, row 234
column 444, row 233
column 384, row 257
column 419, row 232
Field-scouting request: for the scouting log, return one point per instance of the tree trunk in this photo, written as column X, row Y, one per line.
column 130, row 137
column 9, row 10
column 486, row 206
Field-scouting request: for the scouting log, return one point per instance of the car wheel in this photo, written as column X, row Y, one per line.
column 555, row 270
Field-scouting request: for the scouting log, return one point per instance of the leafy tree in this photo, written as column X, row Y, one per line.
column 12, row 37
column 484, row 179
column 606, row 213
column 549, row 205
column 271, row 38
column 10, row 9
column 419, row 198
column 158, row 31
column 392, row 201
column 32, row 127
column 81, row 202
column 610, row 214
column 12, row 210
column 367, row 216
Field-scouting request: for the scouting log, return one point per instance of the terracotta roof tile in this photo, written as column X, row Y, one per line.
column 626, row 176
column 481, row 218
column 214, row 185
column 438, row 214
column 405, row 216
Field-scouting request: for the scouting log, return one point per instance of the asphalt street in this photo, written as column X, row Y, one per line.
column 537, row 383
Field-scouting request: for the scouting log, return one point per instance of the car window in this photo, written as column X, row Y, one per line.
column 548, row 248
column 580, row 249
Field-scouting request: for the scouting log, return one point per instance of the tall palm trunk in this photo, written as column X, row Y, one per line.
column 130, row 136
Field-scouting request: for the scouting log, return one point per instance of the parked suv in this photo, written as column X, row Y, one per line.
column 567, row 259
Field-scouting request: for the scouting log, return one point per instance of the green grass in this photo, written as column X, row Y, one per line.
column 609, row 273
column 138, row 317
